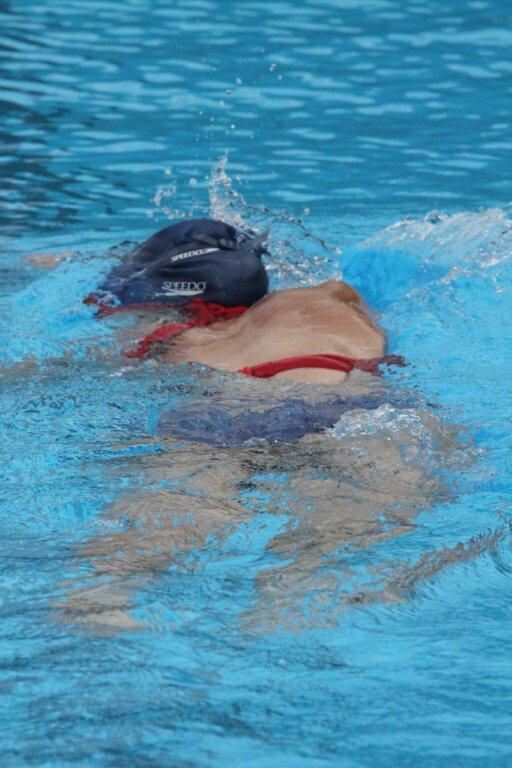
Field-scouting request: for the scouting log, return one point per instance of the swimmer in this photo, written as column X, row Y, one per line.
column 216, row 275
column 336, row 493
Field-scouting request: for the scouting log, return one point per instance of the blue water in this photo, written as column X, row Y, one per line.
column 374, row 139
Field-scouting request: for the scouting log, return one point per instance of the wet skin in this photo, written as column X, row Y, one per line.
column 330, row 318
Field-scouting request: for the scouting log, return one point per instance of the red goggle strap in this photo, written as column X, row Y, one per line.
column 201, row 313
column 332, row 362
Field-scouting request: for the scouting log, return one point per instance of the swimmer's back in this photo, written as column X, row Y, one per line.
column 330, row 318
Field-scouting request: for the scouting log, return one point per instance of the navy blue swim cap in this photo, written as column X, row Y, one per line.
column 198, row 259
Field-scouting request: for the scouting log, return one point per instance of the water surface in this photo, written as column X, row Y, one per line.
column 373, row 139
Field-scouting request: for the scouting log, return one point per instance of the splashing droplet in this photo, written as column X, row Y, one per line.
column 298, row 256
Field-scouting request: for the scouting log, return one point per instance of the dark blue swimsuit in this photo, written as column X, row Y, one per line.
column 211, row 422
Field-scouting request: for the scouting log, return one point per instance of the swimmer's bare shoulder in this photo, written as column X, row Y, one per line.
column 329, row 318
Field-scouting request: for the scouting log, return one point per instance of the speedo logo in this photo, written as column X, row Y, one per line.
column 183, row 289
column 189, row 254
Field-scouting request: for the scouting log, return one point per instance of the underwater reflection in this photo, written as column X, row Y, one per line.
column 333, row 494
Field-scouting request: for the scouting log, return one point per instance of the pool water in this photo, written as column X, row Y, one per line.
column 342, row 601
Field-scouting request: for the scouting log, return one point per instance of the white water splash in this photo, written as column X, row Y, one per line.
column 226, row 203
column 162, row 203
column 470, row 239
column 298, row 255
column 385, row 420
column 419, row 258
column 419, row 437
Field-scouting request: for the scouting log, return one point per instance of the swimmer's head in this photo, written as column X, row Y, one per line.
column 197, row 259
